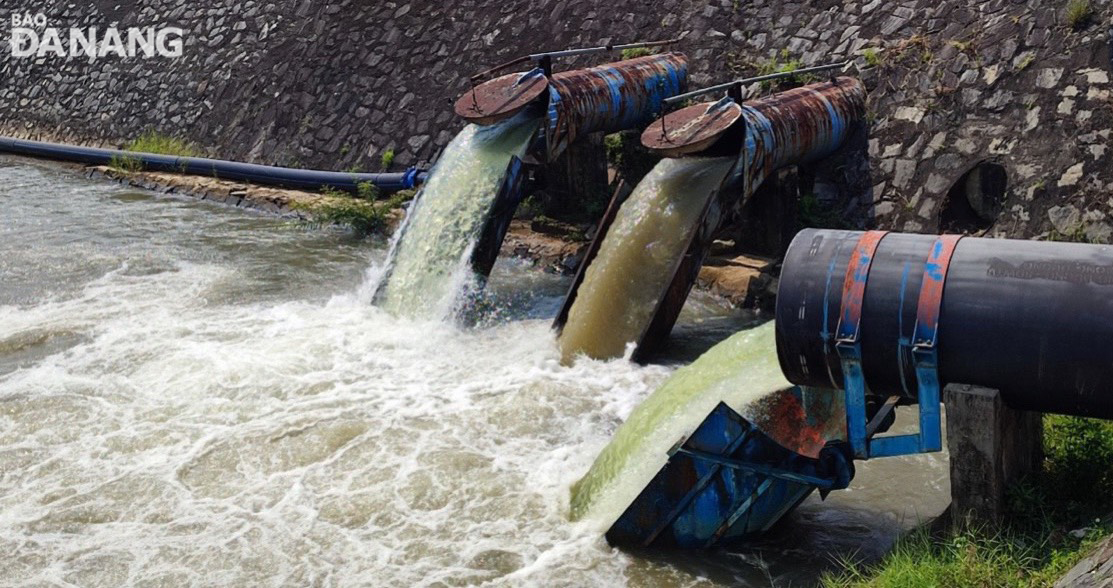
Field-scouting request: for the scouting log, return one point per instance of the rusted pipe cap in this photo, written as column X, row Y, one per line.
column 501, row 98
column 692, row 129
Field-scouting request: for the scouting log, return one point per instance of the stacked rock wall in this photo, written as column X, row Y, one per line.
column 336, row 84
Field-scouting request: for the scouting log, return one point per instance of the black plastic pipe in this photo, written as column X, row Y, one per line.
column 304, row 179
column 1033, row 319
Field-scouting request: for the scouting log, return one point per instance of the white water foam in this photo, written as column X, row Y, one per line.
column 192, row 395
column 429, row 267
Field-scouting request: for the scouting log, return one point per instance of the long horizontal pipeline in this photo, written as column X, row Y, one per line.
column 304, row 179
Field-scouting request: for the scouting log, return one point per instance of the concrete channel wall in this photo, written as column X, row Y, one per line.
column 336, row 84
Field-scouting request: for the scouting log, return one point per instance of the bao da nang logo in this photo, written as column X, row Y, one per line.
column 31, row 37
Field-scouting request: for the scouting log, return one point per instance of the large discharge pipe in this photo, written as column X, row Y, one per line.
column 605, row 98
column 303, row 179
column 1031, row 319
column 796, row 126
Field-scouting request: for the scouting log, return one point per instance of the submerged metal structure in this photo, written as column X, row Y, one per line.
column 792, row 127
column 568, row 105
column 730, row 480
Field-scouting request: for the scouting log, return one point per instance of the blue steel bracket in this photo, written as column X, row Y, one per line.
column 846, row 339
column 925, row 360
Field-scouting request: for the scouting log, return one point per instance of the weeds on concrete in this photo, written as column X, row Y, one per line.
column 626, row 155
column 968, row 46
column 783, row 63
column 387, row 159
column 125, row 163
column 811, row 213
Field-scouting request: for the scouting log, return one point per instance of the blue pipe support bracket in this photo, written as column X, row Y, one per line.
column 846, row 339
column 924, row 354
column 302, row 179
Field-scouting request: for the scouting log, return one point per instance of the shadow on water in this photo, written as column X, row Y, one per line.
column 796, row 552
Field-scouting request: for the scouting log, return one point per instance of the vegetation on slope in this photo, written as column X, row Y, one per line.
column 152, row 142
column 364, row 213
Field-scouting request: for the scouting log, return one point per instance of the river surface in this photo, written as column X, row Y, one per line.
column 191, row 394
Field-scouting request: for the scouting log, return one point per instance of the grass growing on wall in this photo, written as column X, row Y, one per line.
column 635, row 52
column 1078, row 13
column 1054, row 519
column 152, row 142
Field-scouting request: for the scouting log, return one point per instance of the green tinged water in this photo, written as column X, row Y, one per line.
column 739, row 371
column 428, row 265
column 650, row 233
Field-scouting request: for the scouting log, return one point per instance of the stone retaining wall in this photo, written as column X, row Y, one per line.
column 335, row 84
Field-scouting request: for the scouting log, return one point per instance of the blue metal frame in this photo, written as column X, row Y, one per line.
column 925, row 356
column 846, row 340
column 727, row 480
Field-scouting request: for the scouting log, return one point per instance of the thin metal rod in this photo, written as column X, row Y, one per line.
column 774, row 76
column 567, row 53
column 601, row 49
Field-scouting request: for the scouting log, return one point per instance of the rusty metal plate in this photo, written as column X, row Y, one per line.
column 691, row 129
column 500, row 98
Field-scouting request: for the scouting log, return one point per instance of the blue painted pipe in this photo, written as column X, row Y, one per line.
column 304, row 179
column 610, row 97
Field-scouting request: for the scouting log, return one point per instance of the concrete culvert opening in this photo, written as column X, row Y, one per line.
column 975, row 200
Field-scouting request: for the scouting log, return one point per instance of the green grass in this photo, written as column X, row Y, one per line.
column 970, row 559
column 125, row 163
column 810, row 212
column 873, row 57
column 1074, row 488
column 1078, row 13
column 363, row 213
column 635, row 52
column 1079, row 458
column 387, row 159
column 152, row 142
column 781, row 63
column 626, row 154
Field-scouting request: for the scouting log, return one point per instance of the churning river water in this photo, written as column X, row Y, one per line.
column 195, row 395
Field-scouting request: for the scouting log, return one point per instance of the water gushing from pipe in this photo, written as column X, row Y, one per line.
column 739, row 371
column 637, row 260
column 428, row 267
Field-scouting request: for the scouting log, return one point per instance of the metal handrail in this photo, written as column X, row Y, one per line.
column 773, row 76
